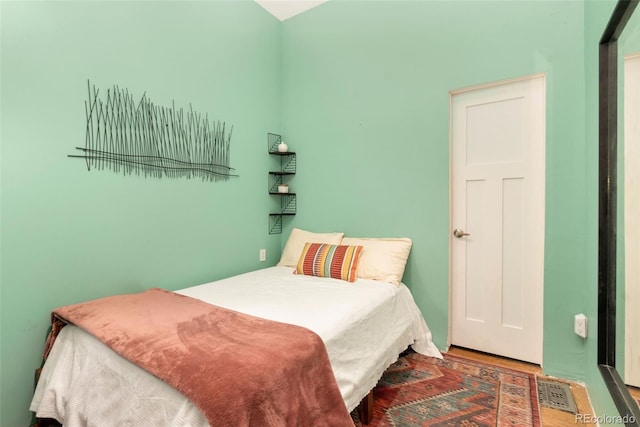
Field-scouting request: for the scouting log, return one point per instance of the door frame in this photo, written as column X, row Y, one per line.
column 453, row 93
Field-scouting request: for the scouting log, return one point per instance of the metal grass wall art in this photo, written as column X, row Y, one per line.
column 139, row 137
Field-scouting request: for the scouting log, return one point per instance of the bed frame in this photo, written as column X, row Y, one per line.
column 365, row 408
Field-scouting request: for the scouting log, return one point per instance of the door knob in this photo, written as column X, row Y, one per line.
column 460, row 233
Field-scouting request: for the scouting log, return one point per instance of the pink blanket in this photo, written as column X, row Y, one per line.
column 238, row 369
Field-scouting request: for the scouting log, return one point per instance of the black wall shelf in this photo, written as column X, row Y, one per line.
column 287, row 168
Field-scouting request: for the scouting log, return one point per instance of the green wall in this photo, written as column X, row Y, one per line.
column 69, row 234
column 359, row 89
column 367, row 108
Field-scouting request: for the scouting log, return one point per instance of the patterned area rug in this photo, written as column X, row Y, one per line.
column 423, row 391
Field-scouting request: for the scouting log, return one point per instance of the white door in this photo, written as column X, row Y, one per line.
column 632, row 218
column 497, row 217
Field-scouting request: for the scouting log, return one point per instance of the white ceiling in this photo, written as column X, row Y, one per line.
column 285, row 9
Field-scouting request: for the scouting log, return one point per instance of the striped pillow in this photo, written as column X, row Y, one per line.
column 325, row 260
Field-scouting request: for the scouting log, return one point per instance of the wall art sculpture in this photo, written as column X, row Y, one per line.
column 136, row 136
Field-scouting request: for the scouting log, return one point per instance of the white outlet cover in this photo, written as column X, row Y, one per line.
column 580, row 325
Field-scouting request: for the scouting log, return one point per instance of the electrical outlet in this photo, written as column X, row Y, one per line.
column 580, row 325
column 263, row 255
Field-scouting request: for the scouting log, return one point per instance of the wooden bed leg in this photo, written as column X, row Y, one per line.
column 365, row 409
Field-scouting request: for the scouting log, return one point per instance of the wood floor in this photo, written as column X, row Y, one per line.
column 550, row 417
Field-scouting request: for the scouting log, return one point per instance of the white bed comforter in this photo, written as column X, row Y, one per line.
column 364, row 326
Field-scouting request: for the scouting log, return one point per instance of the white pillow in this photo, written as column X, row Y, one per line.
column 381, row 259
column 298, row 238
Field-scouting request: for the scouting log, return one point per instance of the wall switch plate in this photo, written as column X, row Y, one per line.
column 580, row 325
column 263, row 255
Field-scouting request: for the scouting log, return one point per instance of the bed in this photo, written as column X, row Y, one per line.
column 364, row 325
